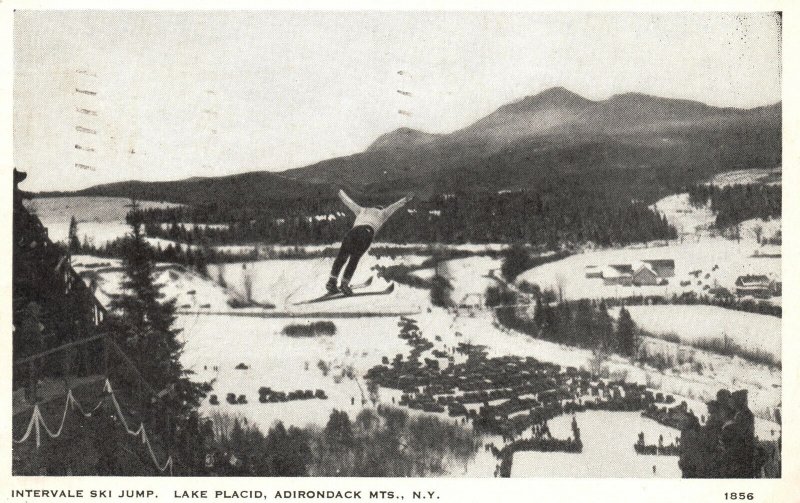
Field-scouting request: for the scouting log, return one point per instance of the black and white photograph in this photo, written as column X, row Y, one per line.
column 388, row 243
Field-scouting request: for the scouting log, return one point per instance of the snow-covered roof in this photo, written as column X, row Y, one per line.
column 639, row 267
column 752, row 280
column 660, row 262
column 617, row 271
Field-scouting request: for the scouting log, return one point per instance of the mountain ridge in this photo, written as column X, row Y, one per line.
column 520, row 144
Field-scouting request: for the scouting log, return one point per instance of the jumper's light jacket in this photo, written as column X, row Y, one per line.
column 372, row 217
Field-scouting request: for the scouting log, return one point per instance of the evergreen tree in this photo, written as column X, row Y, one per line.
column 236, row 440
column 604, row 326
column 145, row 321
column 583, row 333
column 515, row 261
column 201, row 262
column 440, row 284
column 290, row 451
column 627, row 343
column 339, row 431
column 73, row 242
column 538, row 313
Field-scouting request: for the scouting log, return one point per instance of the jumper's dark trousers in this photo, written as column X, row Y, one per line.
column 355, row 243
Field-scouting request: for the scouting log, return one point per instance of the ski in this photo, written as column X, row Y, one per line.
column 333, row 296
column 363, row 284
column 357, row 286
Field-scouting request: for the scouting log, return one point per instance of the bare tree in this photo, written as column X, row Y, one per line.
column 222, row 423
column 221, row 275
column 758, row 232
column 560, row 287
column 599, row 357
column 247, row 283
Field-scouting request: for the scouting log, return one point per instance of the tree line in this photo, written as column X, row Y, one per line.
column 562, row 214
column 385, row 442
column 734, row 204
column 140, row 321
column 582, row 323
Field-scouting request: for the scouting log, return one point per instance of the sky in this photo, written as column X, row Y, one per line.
column 183, row 94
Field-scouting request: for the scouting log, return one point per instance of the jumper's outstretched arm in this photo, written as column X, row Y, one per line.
column 355, row 208
column 389, row 210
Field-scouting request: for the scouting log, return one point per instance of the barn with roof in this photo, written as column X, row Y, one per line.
column 644, row 275
column 754, row 285
column 664, row 268
column 618, row 274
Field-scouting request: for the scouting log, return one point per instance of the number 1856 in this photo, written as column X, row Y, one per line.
column 738, row 496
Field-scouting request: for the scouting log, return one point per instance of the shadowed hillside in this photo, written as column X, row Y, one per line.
column 642, row 146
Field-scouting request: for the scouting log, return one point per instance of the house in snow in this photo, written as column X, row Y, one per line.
column 644, row 275
column 664, row 268
column 754, row 285
column 619, row 274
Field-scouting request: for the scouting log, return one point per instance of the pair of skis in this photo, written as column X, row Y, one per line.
column 357, row 292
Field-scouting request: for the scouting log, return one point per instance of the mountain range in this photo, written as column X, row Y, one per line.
column 649, row 145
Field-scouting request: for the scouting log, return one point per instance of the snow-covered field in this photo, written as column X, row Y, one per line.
column 767, row 229
column 763, row 384
column 683, row 216
column 608, row 439
column 467, row 276
column 720, row 261
column 190, row 291
column 279, row 362
column 274, row 360
column 691, row 323
column 299, row 278
column 692, row 221
column 287, row 282
column 748, row 176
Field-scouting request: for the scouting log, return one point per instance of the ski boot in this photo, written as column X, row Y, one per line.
column 345, row 289
column 330, row 286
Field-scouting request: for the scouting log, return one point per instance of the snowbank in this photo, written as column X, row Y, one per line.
column 755, row 332
column 608, row 439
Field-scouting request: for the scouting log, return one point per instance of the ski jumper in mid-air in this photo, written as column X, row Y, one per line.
column 358, row 239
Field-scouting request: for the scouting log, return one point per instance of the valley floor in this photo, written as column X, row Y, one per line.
column 215, row 344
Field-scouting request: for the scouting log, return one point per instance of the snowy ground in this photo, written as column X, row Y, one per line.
column 767, row 229
column 748, row 176
column 298, row 277
column 468, row 277
column 289, row 363
column 287, row 282
column 690, row 323
column 191, row 291
column 763, row 384
column 683, row 216
column 719, row 262
column 608, row 439
column 279, row 362
column 693, row 222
